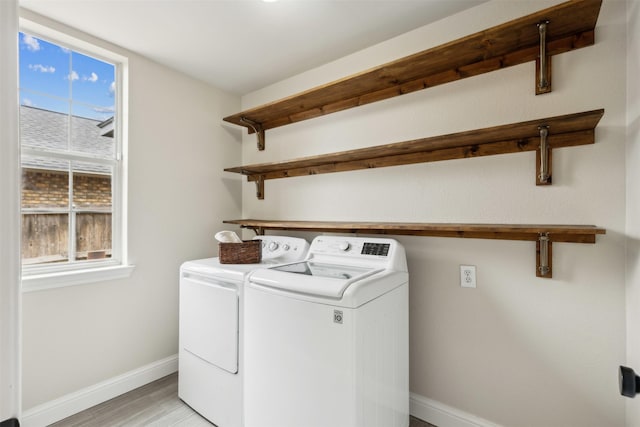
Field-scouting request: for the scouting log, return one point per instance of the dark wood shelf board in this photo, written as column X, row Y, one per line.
column 571, row 26
column 542, row 234
column 564, row 131
column 557, row 233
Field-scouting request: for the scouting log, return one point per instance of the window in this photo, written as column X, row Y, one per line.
column 72, row 164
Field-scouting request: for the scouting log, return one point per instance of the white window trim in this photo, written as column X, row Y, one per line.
column 36, row 278
column 61, row 279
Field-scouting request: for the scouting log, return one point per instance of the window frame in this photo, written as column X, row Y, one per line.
column 48, row 276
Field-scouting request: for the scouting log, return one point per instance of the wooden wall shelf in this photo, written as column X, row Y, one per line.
column 561, row 131
column 535, row 37
column 543, row 235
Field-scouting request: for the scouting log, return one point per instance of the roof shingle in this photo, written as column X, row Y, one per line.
column 49, row 130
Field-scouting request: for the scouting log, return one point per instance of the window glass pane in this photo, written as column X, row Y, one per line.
column 92, row 187
column 99, row 113
column 92, row 202
column 45, row 206
column 93, row 80
column 44, row 123
column 44, row 67
column 93, row 235
column 45, row 238
column 43, row 101
column 45, row 183
column 92, row 135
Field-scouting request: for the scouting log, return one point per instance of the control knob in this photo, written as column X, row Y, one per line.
column 344, row 246
column 286, row 247
column 273, row 246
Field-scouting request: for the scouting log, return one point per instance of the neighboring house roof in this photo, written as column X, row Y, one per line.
column 50, row 130
column 107, row 127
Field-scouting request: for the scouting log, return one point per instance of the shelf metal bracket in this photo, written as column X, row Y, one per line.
column 258, row 230
column 543, row 62
column 543, row 172
column 543, row 255
column 257, row 128
column 260, row 187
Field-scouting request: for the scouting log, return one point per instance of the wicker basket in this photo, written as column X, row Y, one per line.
column 247, row 252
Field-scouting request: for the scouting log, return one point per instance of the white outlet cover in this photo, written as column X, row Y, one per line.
column 468, row 276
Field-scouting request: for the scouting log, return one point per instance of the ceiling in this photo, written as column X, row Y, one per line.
column 243, row 45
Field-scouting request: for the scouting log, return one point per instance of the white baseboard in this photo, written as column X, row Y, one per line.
column 65, row 406
column 441, row 415
column 421, row 407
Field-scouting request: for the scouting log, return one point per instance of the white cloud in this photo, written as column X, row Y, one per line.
column 73, row 76
column 27, row 102
column 112, row 88
column 32, row 43
column 42, row 68
column 111, row 109
column 93, row 78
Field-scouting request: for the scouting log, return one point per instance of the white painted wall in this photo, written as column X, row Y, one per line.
column 518, row 350
column 9, row 215
column 79, row 336
column 633, row 201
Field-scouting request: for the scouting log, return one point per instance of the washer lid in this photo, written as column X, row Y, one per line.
column 313, row 278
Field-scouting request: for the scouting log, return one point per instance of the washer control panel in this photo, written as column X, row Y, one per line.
column 376, row 252
column 283, row 248
column 361, row 247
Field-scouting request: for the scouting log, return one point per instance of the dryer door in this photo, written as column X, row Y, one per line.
column 209, row 320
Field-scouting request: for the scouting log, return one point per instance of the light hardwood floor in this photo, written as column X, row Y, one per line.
column 155, row 404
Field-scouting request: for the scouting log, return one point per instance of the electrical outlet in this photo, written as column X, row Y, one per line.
column 468, row 276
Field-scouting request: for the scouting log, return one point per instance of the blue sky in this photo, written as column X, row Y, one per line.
column 51, row 76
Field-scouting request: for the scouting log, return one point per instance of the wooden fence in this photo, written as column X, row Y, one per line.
column 45, row 236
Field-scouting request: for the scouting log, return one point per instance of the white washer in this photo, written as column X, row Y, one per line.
column 327, row 340
column 211, row 329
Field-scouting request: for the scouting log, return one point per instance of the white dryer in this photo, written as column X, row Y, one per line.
column 211, row 329
column 327, row 339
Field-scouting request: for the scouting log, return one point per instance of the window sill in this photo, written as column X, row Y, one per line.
column 39, row 282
